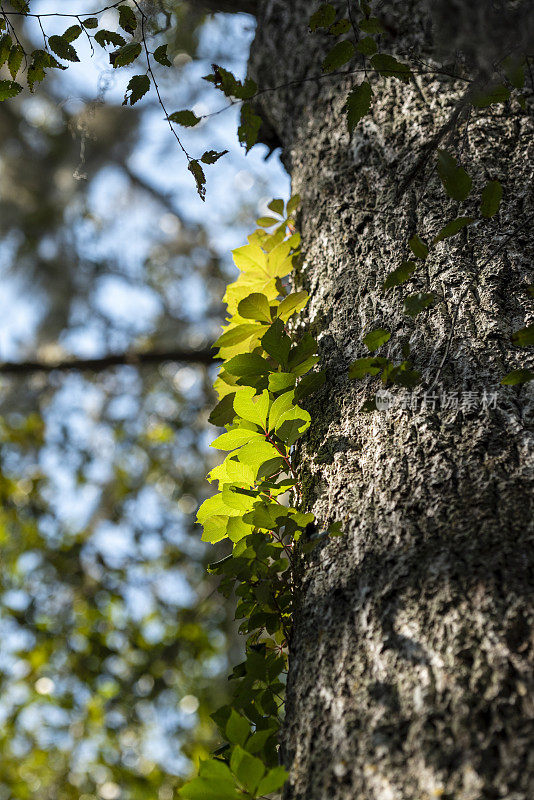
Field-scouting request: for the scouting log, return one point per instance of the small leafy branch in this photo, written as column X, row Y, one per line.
column 266, row 371
column 125, row 48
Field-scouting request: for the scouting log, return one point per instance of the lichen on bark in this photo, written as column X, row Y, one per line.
column 412, row 650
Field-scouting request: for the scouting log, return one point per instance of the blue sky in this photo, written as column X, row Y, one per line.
column 235, row 180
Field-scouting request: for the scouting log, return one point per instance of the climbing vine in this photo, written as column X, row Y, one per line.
column 509, row 79
column 267, row 369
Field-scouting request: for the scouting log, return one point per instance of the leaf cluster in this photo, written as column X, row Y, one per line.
column 266, row 371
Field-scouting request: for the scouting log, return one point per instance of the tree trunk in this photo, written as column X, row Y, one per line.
column 411, row 658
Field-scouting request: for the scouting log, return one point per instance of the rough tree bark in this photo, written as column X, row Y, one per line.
column 411, row 660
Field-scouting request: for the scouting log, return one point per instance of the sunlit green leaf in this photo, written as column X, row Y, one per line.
column 375, row 339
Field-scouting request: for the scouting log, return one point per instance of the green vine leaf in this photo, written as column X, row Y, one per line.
column 5, row 47
column 418, row 247
column 9, row 89
column 103, row 38
column 456, row 182
column 186, row 118
column 160, row 55
column 212, row 156
column 90, row 23
column 137, row 87
column 400, row 275
column 514, row 69
column 491, row 199
column 125, row 55
column 21, row 5
column 339, row 28
column 127, row 19
column 375, row 339
column 452, row 228
column 517, row 377
column 62, row 48
column 229, row 85
column 367, row 366
column 72, row 33
column 223, row 413
column 497, row 94
column 389, row 67
column 14, row 61
column 277, row 206
column 281, row 381
column 234, row 438
column 247, row 364
column 293, row 204
column 249, row 127
column 415, row 303
column 248, row 769
column 371, row 25
column 255, row 306
column 199, row 176
column 277, row 343
column 292, row 424
column 237, row 334
column 310, row 384
column 273, row 781
column 367, row 46
column 237, row 728
column 214, row 781
column 358, row 104
column 252, row 407
column 267, row 222
column 524, row 337
column 323, row 17
column 292, row 304
column 340, row 54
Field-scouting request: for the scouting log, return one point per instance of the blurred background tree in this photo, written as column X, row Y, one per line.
column 114, row 648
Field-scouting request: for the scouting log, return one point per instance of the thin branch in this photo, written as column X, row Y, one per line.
column 224, row 6
column 129, row 358
column 321, row 77
column 153, row 77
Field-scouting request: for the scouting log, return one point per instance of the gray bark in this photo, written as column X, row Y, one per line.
column 412, row 650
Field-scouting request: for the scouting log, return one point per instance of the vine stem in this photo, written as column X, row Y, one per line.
column 284, row 545
column 324, row 76
column 61, row 14
column 288, row 462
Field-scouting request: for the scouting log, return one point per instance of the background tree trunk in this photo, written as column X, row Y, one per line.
column 411, row 659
